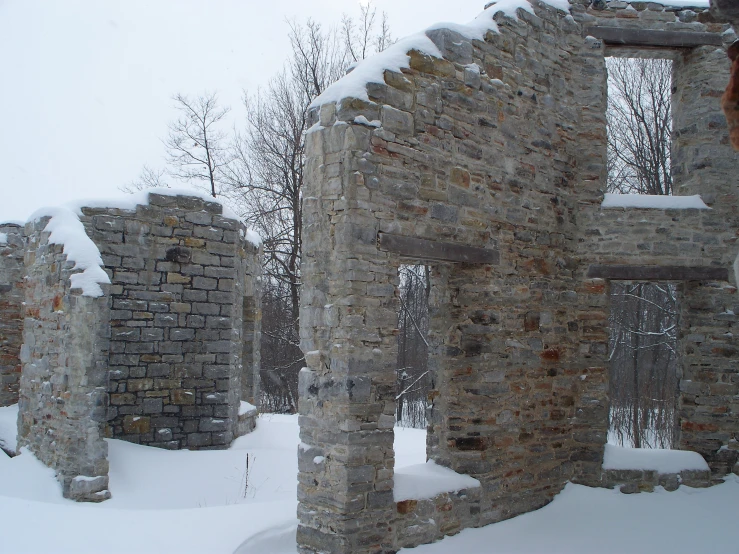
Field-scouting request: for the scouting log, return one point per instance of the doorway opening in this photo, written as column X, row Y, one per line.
column 644, row 365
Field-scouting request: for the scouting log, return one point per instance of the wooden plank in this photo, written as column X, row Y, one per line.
column 657, row 273
column 620, row 36
column 422, row 249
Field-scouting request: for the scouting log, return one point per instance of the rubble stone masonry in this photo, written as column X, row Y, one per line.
column 499, row 145
column 12, row 271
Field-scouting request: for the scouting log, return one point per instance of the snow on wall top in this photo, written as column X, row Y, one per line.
column 395, row 58
column 647, row 459
column 66, row 229
column 141, row 198
column 425, row 481
column 653, row 201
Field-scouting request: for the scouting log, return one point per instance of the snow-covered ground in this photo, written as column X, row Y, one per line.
column 197, row 502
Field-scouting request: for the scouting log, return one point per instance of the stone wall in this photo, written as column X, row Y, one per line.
column 630, row 481
column 703, row 163
column 162, row 354
column 499, row 145
column 12, row 247
column 63, row 396
column 179, row 274
column 480, row 148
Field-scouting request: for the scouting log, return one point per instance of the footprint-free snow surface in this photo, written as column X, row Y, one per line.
column 198, row 502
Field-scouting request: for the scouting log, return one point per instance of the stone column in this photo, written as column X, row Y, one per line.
column 63, row 399
column 347, row 323
column 704, row 163
column 12, row 244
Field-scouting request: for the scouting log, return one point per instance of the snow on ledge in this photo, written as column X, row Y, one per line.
column 246, row 408
column 652, row 201
column 65, row 228
column 3, row 239
column 661, row 461
column 425, row 481
column 395, row 58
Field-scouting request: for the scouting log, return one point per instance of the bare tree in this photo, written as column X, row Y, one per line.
column 260, row 172
column 639, row 125
column 359, row 36
column 643, row 364
column 413, row 379
column 265, row 181
column 643, row 318
column 148, row 178
column 197, row 150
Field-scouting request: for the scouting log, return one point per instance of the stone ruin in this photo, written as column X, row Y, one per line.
column 159, row 346
column 484, row 156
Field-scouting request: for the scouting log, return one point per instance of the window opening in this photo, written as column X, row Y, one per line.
column 639, row 122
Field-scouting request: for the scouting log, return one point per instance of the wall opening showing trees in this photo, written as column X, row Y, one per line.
column 644, row 364
column 639, row 121
column 413, row 379
column 643, row 318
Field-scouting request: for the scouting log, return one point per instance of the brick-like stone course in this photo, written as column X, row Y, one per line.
column 508, row 154
column 181, row 275
column 12, row 271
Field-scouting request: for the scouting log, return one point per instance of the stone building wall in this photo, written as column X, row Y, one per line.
column 480, row 148
column 155, row 345
column 12, row 245
column 500, row 145
column 63, row 396
column 704, row 164
column 179, row 273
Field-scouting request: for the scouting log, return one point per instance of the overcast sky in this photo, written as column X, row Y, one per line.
column 86, row 85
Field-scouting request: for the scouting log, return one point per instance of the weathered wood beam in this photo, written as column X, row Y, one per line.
column 423, row 249
column 620, row 36
column 657, row 273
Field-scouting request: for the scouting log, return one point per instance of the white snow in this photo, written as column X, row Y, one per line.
column 200, row 494
column 424, row 481
column 83, row 478
column 661, row 461
column 372, row 69
column 67, row 229
column 253, row 237
column 583, row 520
column 245, row 408
column 362, row 120
column 3, row 239
column 653, row 201
column 395, row 58
column 8, row 427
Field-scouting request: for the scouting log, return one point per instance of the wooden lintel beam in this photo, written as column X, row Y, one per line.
column 432, row 250
column 657, row 273
column 621, row 36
